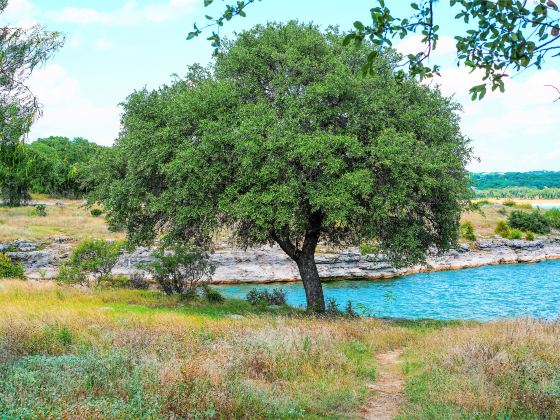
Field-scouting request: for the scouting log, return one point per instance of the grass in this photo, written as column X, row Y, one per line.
column 114, row 353
column 66, row 352
column 71, row 220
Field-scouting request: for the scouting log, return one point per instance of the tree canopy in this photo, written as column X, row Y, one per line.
column 284, row 142
column 498, row 36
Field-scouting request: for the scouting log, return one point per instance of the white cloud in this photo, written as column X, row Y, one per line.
column 515, row 130
column 67, row 112
column 413, row 44
column 20, row 13
column 102, row 44
column 130, row 13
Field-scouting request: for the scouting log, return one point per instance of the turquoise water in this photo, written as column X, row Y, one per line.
column 484, row 293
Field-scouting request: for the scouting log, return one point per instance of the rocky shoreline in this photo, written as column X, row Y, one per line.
column 270, row 264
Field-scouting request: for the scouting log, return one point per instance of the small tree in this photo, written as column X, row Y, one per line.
column 181, row 269
column 91, row 258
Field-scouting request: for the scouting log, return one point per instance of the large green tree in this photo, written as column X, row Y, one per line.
column 21, row 51
column 495, row 36
column 285, row 142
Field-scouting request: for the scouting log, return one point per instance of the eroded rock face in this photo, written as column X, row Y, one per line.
column 269, row 264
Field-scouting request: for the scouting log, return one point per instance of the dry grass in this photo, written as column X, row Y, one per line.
column 67, row 353
column 72, row 220
column 506, row 369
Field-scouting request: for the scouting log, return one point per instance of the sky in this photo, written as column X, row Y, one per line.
column 114, row 47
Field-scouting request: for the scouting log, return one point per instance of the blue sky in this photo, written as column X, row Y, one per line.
column 116, row 46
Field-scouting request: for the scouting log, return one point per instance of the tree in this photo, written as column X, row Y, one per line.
column 59, row 165
column 21, row 51
column 288, row 144
column 499, row 35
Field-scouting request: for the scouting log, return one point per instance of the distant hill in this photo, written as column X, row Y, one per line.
column 535, row 179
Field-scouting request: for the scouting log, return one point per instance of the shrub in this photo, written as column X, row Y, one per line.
column 529, row 221
column 96, row 212
column 93, row 257
column 212, row 295
column 10, row 269
column 502, row 229
column 525, row 206
column 120, row 282
column 553, row 218
column 181, row 270
column 509, row 203
column 515, row 234
column 39, row 210
column 332, row 308
column 530, row 236
column 350, row 311
column 467, row 231
column 366, row 248
column 502, row 211
column 139, row 281
column 264, row 297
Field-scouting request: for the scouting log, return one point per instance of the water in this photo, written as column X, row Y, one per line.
column 483, row 294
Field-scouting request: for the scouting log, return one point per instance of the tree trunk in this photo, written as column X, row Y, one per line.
column 311, row 280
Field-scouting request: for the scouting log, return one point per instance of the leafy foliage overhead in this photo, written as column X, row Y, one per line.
column 499, row 36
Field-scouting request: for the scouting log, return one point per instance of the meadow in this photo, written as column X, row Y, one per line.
column 68, row 352
column 76, row 352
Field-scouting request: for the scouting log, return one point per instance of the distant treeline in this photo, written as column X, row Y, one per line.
column 518, row 192
column 56, row 165
column 497, row 180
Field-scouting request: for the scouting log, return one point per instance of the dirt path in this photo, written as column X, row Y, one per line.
column 388, row 395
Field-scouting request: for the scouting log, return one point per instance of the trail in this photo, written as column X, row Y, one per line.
column 388, row 395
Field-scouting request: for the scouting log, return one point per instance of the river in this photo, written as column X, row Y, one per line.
column 484, row 293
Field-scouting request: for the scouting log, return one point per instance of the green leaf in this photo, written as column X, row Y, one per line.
column 359, row 25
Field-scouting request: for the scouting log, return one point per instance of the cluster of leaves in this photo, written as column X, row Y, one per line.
column 500, row 35
column 92, row 259
column 10, row 269
column 467, row 231
column 181, row 269
column 533, row 221
column 263, row 297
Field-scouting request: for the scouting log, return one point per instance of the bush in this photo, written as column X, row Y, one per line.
column 502, row 229
column 525, row 206
column 332, row 308
column 264, row 297
column 366, row 248
column 467, row 231
column 533, row 221
column 139, row 281
column 39, row 210
column 92, row 257
column 509, row 203
column 96, row 212
column 553, row 218
column 181, row 270
column 212, row 295
column 10, row 269
column 515, row 234
column 530, row 236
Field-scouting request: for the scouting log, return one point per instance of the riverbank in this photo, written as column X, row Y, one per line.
column 69, row 352
column 271, row 264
